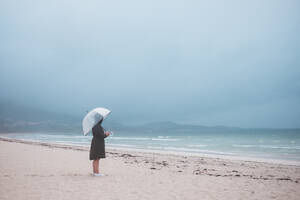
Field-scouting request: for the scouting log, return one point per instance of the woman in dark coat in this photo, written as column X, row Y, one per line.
column 98, row 147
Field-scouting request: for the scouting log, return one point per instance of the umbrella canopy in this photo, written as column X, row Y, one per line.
column 92, row 118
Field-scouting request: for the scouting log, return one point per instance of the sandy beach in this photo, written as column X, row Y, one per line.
column 34, row 170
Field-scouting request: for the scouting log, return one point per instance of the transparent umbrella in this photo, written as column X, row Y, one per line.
column 92, row 118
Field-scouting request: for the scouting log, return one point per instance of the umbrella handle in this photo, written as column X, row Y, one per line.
column 111, row 133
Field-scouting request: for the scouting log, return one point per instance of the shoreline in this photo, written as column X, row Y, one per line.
column 38, row 170
column 159, row 152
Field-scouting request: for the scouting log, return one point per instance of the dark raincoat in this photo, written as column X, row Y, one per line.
column 98, row 145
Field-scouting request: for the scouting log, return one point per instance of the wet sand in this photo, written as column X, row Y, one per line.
column 35, row 170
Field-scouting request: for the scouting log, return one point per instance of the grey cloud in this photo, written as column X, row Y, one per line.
column 206, row 62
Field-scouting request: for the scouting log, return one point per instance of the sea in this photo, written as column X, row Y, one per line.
column 274, row 145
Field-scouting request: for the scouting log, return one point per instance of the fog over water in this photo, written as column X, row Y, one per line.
column 232, row 63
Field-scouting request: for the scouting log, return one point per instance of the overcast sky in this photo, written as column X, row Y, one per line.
column 212, row 62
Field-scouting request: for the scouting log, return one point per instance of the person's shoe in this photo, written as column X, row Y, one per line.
column 98, row 174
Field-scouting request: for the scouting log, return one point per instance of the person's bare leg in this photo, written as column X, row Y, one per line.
column 96, row 166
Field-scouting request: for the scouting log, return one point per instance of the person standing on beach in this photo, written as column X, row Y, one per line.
column 97, row 150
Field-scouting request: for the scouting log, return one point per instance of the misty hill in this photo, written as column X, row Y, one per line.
column 15, row 118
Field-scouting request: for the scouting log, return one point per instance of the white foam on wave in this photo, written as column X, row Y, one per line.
column 71, row 142
column 182, row 149
column 130, row 138
column 82, row 136
column 121, row 145
column 165, row 139
column 197, row 145
column 279, row 147
column 162, row 136
column 159, row 138
column 266, row 146
column 243, row 145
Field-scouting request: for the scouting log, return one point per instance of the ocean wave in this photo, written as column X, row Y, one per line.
column 121, row 145
column 145, row 138
column 162, row 136
column 165, row 139
column 244, row 145
column 279, row 147
column 70, row 142
column 45, row 136
column 197, row 145
column 130, row 138
column 266, row 146
column 81, row 136
column 182, row 149
column 154, row 147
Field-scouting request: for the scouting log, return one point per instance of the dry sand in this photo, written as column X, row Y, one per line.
column 33, row 170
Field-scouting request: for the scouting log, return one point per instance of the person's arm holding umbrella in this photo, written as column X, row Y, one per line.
column 101, row 133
